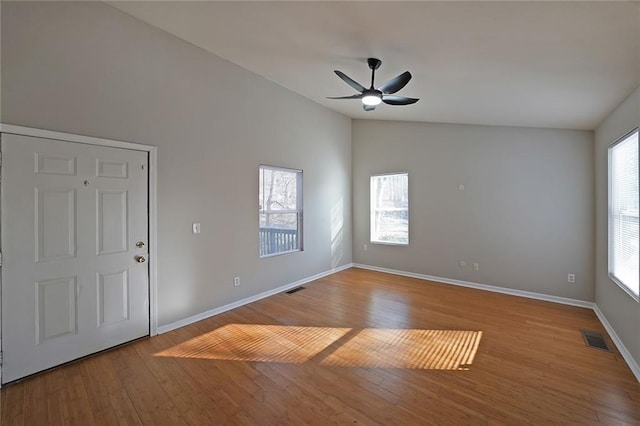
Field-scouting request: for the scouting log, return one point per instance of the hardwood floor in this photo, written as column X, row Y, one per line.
column 356, row 347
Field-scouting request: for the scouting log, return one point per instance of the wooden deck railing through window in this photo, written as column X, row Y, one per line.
column 277, row 240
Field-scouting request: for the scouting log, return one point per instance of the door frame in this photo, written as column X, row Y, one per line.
column 152, row 200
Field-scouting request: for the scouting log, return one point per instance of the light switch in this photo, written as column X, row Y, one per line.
column 195, row 227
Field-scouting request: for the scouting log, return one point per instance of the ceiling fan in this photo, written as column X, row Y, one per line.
column 371, row 97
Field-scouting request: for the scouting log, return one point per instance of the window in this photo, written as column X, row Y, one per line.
column 390, row 209
column 280, row 210
column 623, row 213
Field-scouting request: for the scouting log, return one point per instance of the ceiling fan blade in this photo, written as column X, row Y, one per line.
column 395, row 84
column 368, row 107
column 351, row 82
column 347, row 97
column 398, row 100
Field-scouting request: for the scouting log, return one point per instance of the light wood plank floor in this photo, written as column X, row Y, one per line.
column 357, row 347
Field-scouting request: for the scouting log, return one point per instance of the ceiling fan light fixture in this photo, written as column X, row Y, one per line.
column 371, row 100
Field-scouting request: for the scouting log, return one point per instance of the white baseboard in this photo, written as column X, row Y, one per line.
column 633, row 365
column 492, row 288
column 247, row 300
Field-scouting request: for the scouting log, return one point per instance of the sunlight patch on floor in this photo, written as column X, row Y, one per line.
column 346, row 347
column 415, row 349
column 256, row 342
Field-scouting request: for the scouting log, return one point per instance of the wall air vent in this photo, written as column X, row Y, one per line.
column 294, row 290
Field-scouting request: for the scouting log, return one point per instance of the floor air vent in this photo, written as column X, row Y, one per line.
column 595, row 340
column 294, row 290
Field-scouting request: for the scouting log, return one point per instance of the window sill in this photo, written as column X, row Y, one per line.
column 388, row 243
column 624, row 288
column 266, row 256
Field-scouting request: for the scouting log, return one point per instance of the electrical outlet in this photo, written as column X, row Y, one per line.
column 571, row 278
column 365, row 247
column 236, row 281
column 476, row 266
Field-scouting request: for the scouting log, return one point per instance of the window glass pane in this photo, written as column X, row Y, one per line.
column 279, row 190
column 390, row 208
column 279, row 220
column 280, row 210
column 623, row 214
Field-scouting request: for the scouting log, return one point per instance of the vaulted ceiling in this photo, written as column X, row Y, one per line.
column 539, row 64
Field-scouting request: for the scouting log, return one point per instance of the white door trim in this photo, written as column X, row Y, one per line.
column 153, row 164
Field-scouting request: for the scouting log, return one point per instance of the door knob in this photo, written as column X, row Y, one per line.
column 140, row 244
column 140, row 259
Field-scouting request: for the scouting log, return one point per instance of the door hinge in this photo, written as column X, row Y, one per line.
column 0, row 258
column 0, row 158
column 1, row 359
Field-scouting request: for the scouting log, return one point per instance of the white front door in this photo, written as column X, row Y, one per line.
column 75, row 276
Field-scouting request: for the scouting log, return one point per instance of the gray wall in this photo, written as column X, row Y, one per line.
column 622, row 312
column 90, row 69
column 526, row 214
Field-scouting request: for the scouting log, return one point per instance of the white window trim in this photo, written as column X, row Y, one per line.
column 372, row 210
column 612, row 277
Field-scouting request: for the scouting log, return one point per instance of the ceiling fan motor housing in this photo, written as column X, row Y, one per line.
column 374, row 63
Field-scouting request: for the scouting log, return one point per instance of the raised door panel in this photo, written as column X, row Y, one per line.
column 55, row 220
column 112, row 169
column 112, row 221
column 56, row 308
column 113, row 297
column 51, row 164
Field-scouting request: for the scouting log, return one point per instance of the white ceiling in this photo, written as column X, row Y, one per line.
column 538, row 64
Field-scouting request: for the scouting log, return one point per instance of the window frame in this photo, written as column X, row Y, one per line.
column 298, row 211
column 372, row 210
column 610, row 221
